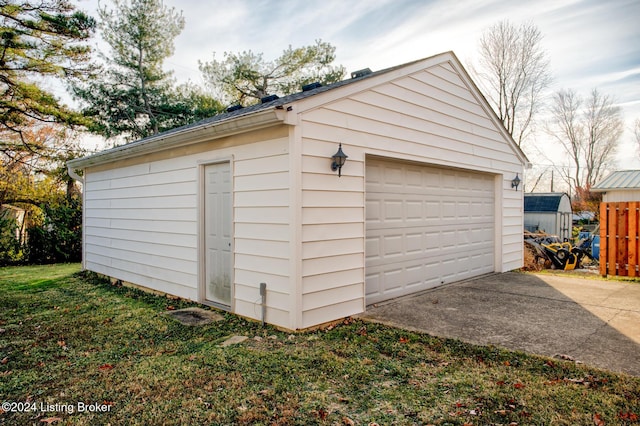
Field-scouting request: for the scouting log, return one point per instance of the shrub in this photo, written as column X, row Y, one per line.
column 10, row 248
column 59, row 237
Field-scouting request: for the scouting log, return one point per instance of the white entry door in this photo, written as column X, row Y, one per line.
column 217, row 223
column 425, row 226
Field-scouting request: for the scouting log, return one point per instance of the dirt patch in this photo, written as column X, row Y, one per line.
column 194, row 316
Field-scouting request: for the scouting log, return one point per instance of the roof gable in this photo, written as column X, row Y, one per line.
column 446, row 60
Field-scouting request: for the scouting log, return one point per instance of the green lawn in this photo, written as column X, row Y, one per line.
column 68, row 338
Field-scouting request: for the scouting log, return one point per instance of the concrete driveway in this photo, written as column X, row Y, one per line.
column 593, row 321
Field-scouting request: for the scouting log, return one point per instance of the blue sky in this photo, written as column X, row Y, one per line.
column 591, row 43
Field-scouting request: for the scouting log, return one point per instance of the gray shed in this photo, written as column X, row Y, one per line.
column 548, row 212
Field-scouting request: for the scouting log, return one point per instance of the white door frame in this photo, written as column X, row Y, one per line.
column 202, row 245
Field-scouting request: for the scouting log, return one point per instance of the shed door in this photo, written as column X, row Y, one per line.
column 425, row 226
column 217, row 223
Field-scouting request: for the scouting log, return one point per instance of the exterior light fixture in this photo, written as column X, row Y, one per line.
column 339, row 158
column 515, row 182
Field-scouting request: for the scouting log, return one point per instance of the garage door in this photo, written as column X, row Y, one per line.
column 425, row 226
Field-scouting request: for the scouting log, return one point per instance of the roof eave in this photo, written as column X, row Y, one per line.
column 609, row 189
column 188, row 136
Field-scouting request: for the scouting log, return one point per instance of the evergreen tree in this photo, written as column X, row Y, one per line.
column 134, row 97
column 38, row 40
column 244, row 78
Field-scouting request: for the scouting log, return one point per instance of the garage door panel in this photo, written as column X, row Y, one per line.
column 405, row 280
column 471, row 233
column 428, row 225
column 414, row 210
column 448, row 180
column 373, row 210
column 425, row 226
column 481, row 235
column 415, row 242
column 372, row 248
column 414, row 178
column 398, row 206
column 373, row 283
column 392, row 211
column 392, row 246
column 430, row 251
column 393, row 279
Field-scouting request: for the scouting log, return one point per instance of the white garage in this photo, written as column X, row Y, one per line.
column 250, row 212
column 425, row 226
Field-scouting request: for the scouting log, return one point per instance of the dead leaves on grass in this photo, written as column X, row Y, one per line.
column 63, row 344
column 51, row 420
column 516, row 385
column 588, row 382
column 629, row 417
column 597, row 420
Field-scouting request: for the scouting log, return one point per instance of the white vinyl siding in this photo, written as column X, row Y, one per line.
column 261, row 194
column 141, row 224
column 621, row 195
column 332, row 244
column 430, row 116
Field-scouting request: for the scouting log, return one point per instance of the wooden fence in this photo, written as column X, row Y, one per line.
column 619, row 244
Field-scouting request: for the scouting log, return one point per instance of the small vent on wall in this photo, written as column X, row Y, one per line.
column 361, row 73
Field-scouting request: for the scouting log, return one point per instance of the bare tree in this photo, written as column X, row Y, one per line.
column 513, row 72
column 589, row 131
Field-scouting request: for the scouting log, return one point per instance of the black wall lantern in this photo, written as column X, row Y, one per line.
column 515, row 182
column 339, row 158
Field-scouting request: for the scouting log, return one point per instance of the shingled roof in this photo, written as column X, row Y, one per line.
column 543, row 202
column 278, row 102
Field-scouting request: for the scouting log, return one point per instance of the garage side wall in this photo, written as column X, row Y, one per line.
column 431, row 117
column 142, row 220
